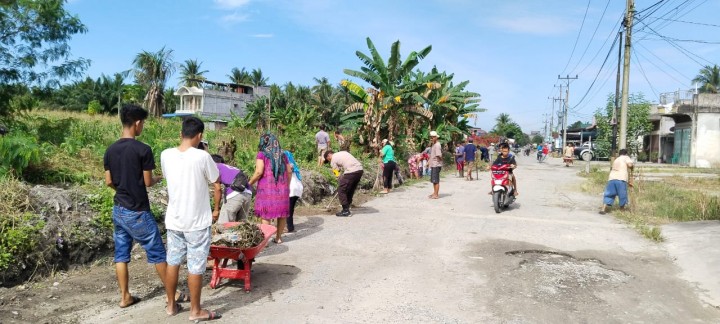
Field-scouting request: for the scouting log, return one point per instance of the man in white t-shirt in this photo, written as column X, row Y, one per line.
column 617, row 182
column 188, row 171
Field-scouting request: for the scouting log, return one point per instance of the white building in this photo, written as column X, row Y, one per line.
column 218, row 100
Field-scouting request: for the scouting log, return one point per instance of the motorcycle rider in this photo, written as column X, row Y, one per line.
column 506, row 158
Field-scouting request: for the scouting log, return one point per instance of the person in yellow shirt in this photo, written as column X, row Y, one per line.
column 617, row 182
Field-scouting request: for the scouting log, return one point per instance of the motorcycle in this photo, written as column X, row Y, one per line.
column 503, row 192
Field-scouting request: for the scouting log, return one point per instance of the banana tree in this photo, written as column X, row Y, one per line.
column 390, row 95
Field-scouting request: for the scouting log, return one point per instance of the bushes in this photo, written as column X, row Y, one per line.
column 19, row 235
column 18, row 152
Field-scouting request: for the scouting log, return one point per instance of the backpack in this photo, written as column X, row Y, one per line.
column 240, row 182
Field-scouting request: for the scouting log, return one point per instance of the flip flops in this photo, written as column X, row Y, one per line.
column 211, row 316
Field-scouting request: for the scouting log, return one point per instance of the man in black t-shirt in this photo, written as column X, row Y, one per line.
column 128, row 169
column 506, row 158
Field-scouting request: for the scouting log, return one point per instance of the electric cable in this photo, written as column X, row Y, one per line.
column 577, row 38
column 642, row 71
column 602, row 16
column 600, row 70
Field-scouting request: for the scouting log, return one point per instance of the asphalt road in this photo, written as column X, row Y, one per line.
column 403, row 258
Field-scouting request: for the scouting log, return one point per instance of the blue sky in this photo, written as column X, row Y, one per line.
column 511, row 51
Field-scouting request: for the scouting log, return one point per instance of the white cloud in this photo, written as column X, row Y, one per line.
column 263, row 35
column 234, row 18
column 231, row 4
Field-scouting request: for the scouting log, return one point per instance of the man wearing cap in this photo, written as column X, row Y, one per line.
column 348, row 182
column 435, row 164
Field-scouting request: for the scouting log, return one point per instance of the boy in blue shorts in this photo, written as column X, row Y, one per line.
column 128, row 169
column 188, row 170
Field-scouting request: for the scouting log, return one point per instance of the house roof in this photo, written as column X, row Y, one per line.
column 193, row 91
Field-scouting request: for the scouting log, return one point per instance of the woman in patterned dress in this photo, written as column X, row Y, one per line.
column 272, row 175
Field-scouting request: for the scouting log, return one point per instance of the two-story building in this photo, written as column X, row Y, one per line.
column 696, row 133
column 218, row 100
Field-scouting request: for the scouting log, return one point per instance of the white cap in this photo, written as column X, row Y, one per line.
column 433, row 134
column 384, row 141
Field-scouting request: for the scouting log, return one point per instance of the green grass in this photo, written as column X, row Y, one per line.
column 654, row 203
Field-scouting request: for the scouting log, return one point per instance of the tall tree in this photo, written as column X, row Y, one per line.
column 33, row 47
column 709, row 78
column 638, row 123
column 257, row 79
column 239, row 76
column 152, row 70
column 191, row 73
column 392, row 91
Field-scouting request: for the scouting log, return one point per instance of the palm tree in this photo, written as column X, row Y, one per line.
column 257, row 79
column 191, row 73
column 392, row 93
column 239, row 76
column 152, row 71
column 709, row 77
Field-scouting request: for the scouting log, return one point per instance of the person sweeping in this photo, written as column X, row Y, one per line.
column 352, row 172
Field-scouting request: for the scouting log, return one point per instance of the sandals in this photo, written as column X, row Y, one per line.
column 211, row 316
column 276, row 241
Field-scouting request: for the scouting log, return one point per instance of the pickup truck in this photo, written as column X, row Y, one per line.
column 585, row 151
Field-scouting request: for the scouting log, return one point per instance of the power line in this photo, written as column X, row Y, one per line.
column 650, row 7
column 613, row 31
column 577, row 38
column 606, row 78
column 592, row 37
column 601, row 68
column 678, row 47
column 663, row 61
column 687, row 22
column 642, row 71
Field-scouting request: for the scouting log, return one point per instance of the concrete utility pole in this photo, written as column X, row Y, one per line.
column 628, row 23
column 565, row 109
column 545, row 132
column 613, row 149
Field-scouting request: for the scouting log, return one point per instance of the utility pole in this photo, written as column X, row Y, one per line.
column 552, row 114
column 613, row 149
column 628, row 23
column 545, row 132
column 567, row 78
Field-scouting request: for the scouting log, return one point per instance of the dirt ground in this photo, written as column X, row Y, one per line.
column 403, row 258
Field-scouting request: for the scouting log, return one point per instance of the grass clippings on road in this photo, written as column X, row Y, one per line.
column 654, row 203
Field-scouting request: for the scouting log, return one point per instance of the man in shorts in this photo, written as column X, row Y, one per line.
column 322, row 140
column 435, row 162
column 128, row 170
column 188, row 171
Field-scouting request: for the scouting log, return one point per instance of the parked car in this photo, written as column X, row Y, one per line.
column 586, row 151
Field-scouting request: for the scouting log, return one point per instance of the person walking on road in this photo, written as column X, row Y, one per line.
column 352, row 173
column 387, row 160
column 436, row 163
column 129, row 164
column 188, row 171
column 618, row 181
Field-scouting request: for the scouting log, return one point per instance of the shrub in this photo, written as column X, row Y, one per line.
column 94, row 107
column 19, row 236
column 101, row 200
column 19, row 151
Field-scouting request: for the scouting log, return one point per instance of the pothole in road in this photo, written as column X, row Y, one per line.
column 558, row 273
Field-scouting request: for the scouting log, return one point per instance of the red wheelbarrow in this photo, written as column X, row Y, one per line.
column 221, row 255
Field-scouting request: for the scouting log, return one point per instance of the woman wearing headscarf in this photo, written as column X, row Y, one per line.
column 387, row 160
column 272, row 175
column 296, row 187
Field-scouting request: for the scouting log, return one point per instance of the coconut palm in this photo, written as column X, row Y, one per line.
column 257, row 79
column 239, row 76
column 152, row 71
column 709, row 78
column 191, row 73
